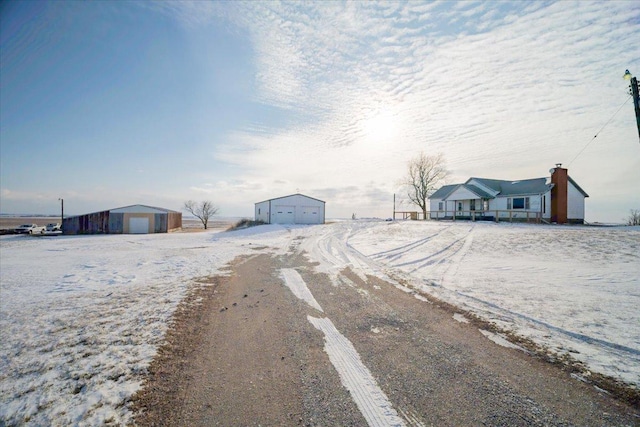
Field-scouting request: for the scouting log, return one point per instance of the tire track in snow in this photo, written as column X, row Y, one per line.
column 354, row 375
column 435, row 257
column 457, row 257
column 334, row 253
column 395, row 253
column 371, row 400
column 296, row 284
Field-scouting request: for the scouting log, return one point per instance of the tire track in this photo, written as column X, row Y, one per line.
column 354, row 375
column 371, row 400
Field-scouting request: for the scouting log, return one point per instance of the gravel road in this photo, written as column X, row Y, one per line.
column 246, row 350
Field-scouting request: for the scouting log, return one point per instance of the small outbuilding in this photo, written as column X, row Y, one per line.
column 293, row 209
column 134, row 219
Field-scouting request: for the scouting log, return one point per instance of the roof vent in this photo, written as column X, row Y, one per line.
column 558, row 165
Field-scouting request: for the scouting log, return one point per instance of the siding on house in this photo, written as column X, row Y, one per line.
column 575, row 203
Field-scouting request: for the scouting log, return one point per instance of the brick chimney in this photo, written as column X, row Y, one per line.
column 559, row 194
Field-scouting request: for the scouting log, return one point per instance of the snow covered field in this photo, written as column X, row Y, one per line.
column 82, row 316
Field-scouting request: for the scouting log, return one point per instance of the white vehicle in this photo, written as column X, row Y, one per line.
column 54, row 226
column 30, row 229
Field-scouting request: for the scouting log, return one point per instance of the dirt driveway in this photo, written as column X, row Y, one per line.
column 276, row 344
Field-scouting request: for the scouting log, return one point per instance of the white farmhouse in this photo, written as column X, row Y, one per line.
column 557, row 199
column 293, row 209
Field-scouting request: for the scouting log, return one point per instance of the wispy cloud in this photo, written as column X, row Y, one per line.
column 523, row 89
column 503, row 89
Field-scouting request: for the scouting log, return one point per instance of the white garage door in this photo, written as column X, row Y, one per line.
column 285, row 214
column 138, row 225
column 310, row 215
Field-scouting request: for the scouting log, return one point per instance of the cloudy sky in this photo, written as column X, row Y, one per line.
column 107, row 104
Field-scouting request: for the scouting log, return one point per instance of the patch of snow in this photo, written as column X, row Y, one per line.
column 298, row 287
column 460, row 318
column 500, row 340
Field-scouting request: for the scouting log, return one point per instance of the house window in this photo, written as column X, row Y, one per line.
column 485, row 205
column 472, row 205
column 460, row 206
column 258, row 211
column 439, row 206
column 544, row 204
column 518, row 203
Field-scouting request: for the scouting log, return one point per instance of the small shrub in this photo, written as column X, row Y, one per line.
column 245, row 223
column 634, row 217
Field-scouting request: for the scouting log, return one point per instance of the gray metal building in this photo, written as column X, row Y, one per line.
column 134, row 219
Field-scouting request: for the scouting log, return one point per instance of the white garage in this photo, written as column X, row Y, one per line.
column 293, row 209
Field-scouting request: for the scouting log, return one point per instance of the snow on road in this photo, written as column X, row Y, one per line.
column 82, row 316
column 295, row 283
column 370, row 399
column 355, row 376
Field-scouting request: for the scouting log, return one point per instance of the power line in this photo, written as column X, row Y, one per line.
column 598, row 133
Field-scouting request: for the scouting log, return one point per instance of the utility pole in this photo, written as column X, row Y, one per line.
column 634, row 94
column 61, row 215
column 394, row 206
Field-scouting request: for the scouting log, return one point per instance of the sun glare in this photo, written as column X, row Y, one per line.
column 380, row 128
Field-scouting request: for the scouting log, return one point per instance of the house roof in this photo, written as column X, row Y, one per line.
column 502, row 188
column 478, row 191
column 575, row 184
column 290, row 195
column 508, row 188
column 444, row 191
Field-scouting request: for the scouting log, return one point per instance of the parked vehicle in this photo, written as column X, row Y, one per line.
column 54, row 226
column 30, row 229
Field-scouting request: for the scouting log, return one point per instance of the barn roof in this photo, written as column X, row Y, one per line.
column 296, row 194
column 141, row 207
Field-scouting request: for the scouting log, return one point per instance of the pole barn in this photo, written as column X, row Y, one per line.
column 293, row 209
column 135, row 219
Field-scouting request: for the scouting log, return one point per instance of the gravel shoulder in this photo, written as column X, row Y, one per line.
column 242, row 352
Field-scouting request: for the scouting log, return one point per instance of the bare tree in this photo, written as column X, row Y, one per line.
column 203, row 210
column 424, row 176
column 634, row 217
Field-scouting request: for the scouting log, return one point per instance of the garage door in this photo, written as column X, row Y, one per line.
column 138, row 225
column 310, row 215
column 285, row 214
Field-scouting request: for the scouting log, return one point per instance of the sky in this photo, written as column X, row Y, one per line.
column 109, row 104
